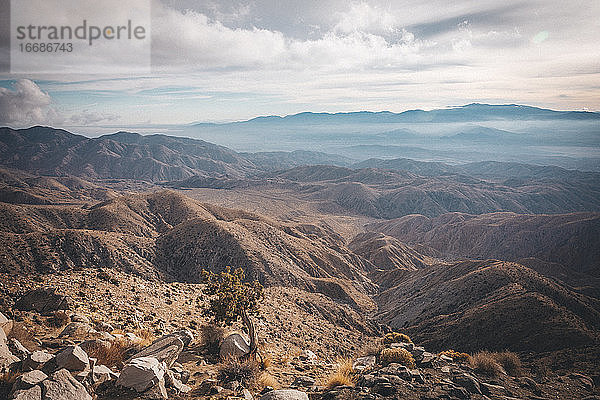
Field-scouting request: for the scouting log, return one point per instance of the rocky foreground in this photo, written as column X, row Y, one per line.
column 85, row 358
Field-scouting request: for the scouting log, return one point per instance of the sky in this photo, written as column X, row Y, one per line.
column 217, row 61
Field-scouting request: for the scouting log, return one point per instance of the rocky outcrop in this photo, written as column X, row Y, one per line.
column 44, row 300
column 167, row 348
column 62, row 386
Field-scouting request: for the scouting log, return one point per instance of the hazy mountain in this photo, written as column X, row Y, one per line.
column 467, row 113
column 279, row 160
column 471, row 133
column 122, row 155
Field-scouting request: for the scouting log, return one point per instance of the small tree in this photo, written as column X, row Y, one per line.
column 233, row 298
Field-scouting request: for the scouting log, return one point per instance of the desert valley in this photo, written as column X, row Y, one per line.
column 400, row 278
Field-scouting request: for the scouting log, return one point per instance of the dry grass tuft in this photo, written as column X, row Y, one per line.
column 485, row 363
column 372, row 349
column 211, row 337
column 235, row 369
column 266, row 361
column 343, row 376
column 399, row 356
column 111, row 356
column 265, row 379
column 456, row 356
column 510, row 362
column 146, row 335
column 396, row 337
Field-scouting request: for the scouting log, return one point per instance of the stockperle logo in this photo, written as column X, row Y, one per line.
column 80, row 36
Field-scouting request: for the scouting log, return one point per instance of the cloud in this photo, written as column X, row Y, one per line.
column 26, row 104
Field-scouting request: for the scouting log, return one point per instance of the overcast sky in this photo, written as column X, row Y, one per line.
column 232, row 60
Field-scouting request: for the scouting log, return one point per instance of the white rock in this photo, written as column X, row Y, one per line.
column 284, row 394
column 142, row 373
column 362, row 363
column 29, row 380
column 73, row 358
column 36, row 360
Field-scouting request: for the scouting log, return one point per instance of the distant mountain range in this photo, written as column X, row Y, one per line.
column 467, row 113
column 375, row 188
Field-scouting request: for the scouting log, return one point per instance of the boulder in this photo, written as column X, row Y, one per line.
column 165, row 349
column 234, row 345
column 36, row 360
column 18, row 349
column 44, row 301
column 6, row 324
column 101, row 373
column 72, row 358
column 142, row 373
column 284, row 394
column 76, row 330
column 157, row 392
column 62, row 386
column 34, row 393
column 29, row 380
column 468, row 382
column 94, row 345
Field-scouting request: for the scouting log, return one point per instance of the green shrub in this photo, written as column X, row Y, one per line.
column 399, row 356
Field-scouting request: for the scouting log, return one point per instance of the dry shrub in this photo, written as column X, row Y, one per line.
column 456, row 356
column 485, row 363
column 396, row 337
column 342, row 376
column 212, row 335
column 235, row 369
column 111, row 356
column 372, row 349
column 510, row 362
column 399, row 356
column 265, row 379
column 146, row 335
column 265, row 361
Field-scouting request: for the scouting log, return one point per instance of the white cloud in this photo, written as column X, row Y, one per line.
column 25, row 104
